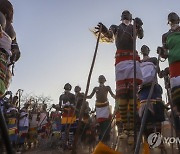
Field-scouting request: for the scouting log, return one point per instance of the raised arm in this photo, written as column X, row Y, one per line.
column 139, row 29
column 107, row 34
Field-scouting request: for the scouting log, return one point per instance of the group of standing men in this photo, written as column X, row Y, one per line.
column 146, row 69
column 146, row 74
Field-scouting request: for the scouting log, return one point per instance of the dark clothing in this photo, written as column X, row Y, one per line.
column 123, row 36
column 65, row 98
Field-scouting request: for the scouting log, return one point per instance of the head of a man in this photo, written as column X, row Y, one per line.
column 173, row 18
column 77, row 89
column 145, row 50
column 67, row 87
column 102, row 79
column 126, row 17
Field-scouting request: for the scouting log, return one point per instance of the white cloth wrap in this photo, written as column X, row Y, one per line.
column 102, row 112
column 24, row 122
column 5, row 43
column 175, row 81
column 148, row 70
column 125, row 70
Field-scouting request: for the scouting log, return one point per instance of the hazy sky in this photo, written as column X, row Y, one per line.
column 57, row 46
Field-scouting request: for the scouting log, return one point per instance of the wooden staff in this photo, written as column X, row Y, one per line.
column 134, row 82
column 143, row 121
column 86, row 93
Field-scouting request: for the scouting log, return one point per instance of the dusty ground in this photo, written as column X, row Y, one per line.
column 123, row 147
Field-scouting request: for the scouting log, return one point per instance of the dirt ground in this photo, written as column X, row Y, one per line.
column 122, row 147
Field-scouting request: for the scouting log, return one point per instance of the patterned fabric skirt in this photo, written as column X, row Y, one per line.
column 3, row 71
column 68, row 117
column 156, row 107
column 175, row 83
column 12, row 129
column 124, row 78
column 175, row 93
column 144, row 93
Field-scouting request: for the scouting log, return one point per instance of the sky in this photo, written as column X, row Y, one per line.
column 57, row 46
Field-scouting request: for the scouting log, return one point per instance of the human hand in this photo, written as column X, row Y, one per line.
column 103, row 30
column 138, row 22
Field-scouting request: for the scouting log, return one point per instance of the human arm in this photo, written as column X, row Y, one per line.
column 2, row 21
column 163, row 51
column 15, row 51
column 92, row 94
column 139, row 29
column 107, row 35
column 111, row 93
column 60, row 101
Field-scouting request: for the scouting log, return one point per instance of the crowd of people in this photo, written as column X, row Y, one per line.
column 28, row 125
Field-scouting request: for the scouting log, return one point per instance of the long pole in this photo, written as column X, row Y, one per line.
column 86, row 93
column 134, row 81
column 143, row 122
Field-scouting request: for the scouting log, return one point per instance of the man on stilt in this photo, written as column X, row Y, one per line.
column 103, row 114
column 124, row 66
column 171, row 50
column 156, row 109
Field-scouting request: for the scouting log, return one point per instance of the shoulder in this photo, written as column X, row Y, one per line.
column 108, row 87
column 113, row 27
column 165, row 35
column 153, row 60
column 10, row 31
column 71, row 94
column 2, row 20
column 95, row 88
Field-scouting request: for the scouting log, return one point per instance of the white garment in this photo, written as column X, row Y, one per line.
column 175, row 81
column 125, row 70
column 11, row 109
column 25, row 120
column 148, row 70
column 102, row 112
column 43, row 119
column 5, row 43
column 33, row 121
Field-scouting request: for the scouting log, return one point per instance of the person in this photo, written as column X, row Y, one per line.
column 43, row 121
column 23, row 126
column 11, row 116
column 149, row 68
column 9, row 48
column 124, row 65
column 86, row 122
column 55, row 118
column 103, row 114
column 67, row 103
column 171, row 50
column 78, row 99
column 33, row 125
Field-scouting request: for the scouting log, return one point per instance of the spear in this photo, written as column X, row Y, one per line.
column 86, row 93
